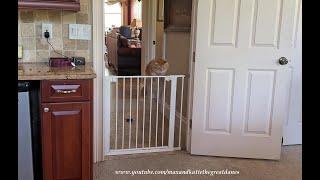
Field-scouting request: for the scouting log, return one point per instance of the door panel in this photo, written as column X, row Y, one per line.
column 259, row 104
column 224, row 30
column 220, row 90
column 66, row 127
column 238, row 78
column 266, row 22
column 66, row 140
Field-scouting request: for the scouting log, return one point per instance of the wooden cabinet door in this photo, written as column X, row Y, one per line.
column 66, row 140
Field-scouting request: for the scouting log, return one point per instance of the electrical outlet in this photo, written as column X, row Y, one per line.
column 47, row 27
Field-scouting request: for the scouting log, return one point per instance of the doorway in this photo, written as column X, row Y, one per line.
column 222, row 44
column 139, row 116
column 123, row 36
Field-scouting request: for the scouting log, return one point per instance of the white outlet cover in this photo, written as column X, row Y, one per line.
column 47, row 27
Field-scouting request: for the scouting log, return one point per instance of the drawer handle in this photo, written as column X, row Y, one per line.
column 66, row 91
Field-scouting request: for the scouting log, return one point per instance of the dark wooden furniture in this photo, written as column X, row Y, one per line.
column 71, row 5
column 66, row 125
column 177, row 15
column 124, row 59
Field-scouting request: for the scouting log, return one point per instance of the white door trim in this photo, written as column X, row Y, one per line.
column 148, row 33
column 191, row 70
column 98, row 42
column 98, row 66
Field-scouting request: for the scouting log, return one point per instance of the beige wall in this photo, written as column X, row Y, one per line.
column 36, row 49
column 177, row 54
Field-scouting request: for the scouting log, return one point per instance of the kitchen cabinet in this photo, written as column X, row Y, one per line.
column 72, row 5
column 66, row 108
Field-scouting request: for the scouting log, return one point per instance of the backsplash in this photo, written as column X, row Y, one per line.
column 36, row 48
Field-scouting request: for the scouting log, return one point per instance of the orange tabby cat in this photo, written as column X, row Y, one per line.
column 156, row 67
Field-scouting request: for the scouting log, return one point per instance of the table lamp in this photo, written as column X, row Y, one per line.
column 134, row 25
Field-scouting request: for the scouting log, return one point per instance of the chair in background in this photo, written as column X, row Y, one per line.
column 125, row 60
column 125, row 31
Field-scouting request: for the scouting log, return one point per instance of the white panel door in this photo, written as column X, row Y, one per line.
column 241, row 90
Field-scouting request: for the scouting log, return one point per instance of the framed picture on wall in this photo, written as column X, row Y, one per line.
column 177, row 15
column 160, row 14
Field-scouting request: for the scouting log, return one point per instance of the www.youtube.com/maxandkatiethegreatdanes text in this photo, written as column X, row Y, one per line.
column 177, row 172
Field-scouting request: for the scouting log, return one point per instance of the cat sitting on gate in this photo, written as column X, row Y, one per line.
column 156, row 67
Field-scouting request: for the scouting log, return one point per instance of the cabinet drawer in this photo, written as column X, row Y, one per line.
column 66, row 90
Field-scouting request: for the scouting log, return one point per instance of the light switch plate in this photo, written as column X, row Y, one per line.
column 73, row 32
column 80, row 31
column 47, row 27
column 19, row 52
column 84, row 32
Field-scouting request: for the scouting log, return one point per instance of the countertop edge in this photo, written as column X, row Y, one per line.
column 42, row 71
column 58, row 77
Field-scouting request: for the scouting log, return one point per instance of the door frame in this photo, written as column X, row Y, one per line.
column 98, row 42
column 191, row 71
column 149, row 16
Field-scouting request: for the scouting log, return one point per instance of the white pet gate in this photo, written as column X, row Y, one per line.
column 140, row 114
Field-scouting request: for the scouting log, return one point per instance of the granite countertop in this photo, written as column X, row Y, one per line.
column 42, row 71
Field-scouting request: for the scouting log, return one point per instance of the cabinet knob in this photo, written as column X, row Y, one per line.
column 46, row 109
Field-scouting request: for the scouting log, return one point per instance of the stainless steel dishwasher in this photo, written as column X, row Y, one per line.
column 29, row 140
